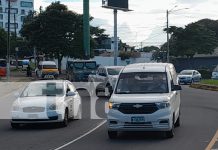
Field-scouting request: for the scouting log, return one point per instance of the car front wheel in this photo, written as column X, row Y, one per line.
column 66, row 119
column 112, row 134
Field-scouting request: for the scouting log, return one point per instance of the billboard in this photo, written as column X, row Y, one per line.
column 116, row 4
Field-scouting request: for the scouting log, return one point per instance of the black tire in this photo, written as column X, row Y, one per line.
column 171, row 133
column 177, row 124
column 66, row 119
column 15, row 125
column 112, row 134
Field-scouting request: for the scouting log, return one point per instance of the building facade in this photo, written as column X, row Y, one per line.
column 19, row 9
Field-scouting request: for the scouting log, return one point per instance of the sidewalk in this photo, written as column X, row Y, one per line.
column 17, row 76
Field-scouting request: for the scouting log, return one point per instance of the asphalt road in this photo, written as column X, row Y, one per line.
column 199, row 125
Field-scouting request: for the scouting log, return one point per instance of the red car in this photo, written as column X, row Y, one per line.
column 2, row 67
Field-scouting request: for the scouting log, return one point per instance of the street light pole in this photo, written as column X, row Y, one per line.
column 115, row 38
column 168, row 42
column 8, row 40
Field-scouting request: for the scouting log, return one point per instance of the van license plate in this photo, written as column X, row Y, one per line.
column 49, row 76
column 138, row 119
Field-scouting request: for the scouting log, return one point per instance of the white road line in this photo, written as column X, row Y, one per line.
column 80, row 137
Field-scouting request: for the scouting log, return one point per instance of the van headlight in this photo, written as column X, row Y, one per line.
column 163, row 105
column 113, row 105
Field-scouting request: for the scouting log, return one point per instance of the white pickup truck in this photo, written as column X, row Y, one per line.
column 104, row 80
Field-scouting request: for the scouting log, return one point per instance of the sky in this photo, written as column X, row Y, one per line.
column 144, row 25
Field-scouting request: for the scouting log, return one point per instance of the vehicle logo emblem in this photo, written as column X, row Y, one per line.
column 137, row 106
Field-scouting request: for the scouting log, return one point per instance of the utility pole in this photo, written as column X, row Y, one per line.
column 168, row 42
column 8, row 40
column 15, row 27
column 115, row 38
column 86, row 29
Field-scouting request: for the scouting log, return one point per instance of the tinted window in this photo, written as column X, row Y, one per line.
column 49, row 67
column 78, row 65
column 186, row 72
column 113, row 71
column 139, row 83
column 90, row 65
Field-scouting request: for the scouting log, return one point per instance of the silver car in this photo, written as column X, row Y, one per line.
column 215, row 73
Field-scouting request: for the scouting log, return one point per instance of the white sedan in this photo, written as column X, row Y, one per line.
column 45, row 102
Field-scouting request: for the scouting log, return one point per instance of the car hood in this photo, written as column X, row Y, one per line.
column 41, row 101
column 140, row 98
column 185, row 76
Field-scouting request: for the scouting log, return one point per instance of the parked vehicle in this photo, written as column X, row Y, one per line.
column 47, row 101
column 47, row 70
column 79, row 70
column 146, row 98
column 105, row 79
column 3, row 65
column 189, row 76
column 215, row 73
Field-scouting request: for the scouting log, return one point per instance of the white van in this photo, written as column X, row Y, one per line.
column 146, row 98
column 47, row 69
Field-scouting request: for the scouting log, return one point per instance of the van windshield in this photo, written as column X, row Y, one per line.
column 142, row 83
column 49, row 67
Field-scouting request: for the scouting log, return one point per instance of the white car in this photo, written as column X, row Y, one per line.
column 105, row 79
column 45, row 102
column 189, row 76
column 146, row 98
column 215, row 73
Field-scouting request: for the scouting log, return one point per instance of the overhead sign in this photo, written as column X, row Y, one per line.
column 116, row 4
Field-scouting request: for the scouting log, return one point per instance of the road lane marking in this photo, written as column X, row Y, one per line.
column 82, row 136
column 213, row 141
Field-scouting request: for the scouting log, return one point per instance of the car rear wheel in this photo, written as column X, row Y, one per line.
column 112, row 134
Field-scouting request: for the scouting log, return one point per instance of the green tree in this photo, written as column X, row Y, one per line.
column 58, row 32
column 194, row 38
column 3, row 43
column 150, row 48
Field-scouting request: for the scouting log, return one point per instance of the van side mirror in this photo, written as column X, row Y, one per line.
column 176, row 88
column 70, row 93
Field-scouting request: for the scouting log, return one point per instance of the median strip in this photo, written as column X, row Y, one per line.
column 213, row 142
column 204, row 86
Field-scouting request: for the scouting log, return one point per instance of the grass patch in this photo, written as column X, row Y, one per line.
column 210, row 82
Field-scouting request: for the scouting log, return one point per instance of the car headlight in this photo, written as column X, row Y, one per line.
column 163, row 105
column 52, row 107
column 113, row 105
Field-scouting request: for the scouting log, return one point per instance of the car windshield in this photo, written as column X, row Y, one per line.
column 142, row 82
column 78, row 65
column 43, row 89
column 113, row 71
column 49, row 67
column 186, row 72
column 90, row 65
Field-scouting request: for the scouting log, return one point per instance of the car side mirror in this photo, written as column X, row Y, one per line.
column 70, row 93
column 176, row 88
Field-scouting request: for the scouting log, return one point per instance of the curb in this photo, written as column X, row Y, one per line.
column 204, row 86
